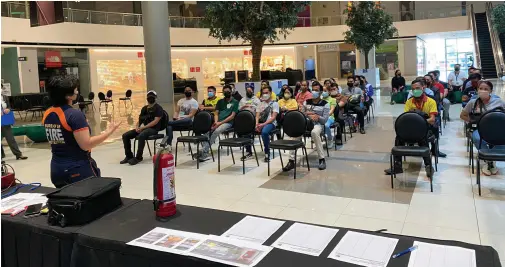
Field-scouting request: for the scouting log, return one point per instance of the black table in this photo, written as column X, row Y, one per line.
column 103, row 243
column 32, row 242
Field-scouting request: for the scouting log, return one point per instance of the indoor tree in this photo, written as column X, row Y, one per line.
column 498, row 15
column 369, row 26
column 254, row 22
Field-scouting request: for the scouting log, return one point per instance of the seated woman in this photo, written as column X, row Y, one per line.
column 287, row 102
column 331, row 119
column 69, row 134
column 474, row 109
column 397, row 85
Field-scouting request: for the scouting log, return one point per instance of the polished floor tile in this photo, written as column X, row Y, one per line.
column 370, row 224
column 256, row 208
column 308, row 216
column 377, row 210
column 442, row 233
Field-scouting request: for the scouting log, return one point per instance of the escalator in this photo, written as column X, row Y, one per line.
column 487, row 61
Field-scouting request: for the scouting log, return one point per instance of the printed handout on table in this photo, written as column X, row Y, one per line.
column 168, row 240
column 230, row 251
column 433, row 255
column 18, row 201
column 364, row 249
column 305, row 239
column 253, row 229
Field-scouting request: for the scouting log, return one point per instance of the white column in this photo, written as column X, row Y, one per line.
column 28, row 70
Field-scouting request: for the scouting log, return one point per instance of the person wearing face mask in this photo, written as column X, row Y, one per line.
column 472, row 112
column 455, row 80
column 250, row 102
column 327, row 83
column 69, row 134
column 353, row 92
column 304, row 94
column 468, row 83
column 287, row 102
column 235, row 93
column 425, row 105
column 209, row 104
column 470, row 91
column 337, row 114
column 149, row 123
column 184, row 113
column 226, row 109
column 318, row 111
column 446, row 104
column 397, row 84
column 325, row 95
column 281, row 93
column 265, row 84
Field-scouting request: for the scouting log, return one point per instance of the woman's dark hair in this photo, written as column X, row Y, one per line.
column 316, row 83
column 59, row 87
column 490, row 84
column 334, row 85
column 289, row 89
column 396, row 71
column 298, row 86
column 265, row 81
column 327, row 81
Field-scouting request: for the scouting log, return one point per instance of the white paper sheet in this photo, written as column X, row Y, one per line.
column 432, row 255
column 253, row 229
column 168, row 240
column 364, row 249
column 18, row 201
column 230, row 251
column 305, row 239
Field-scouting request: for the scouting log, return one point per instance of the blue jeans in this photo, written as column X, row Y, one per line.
column 327, row 129
column 68, row 172
column 476, row 141
column 265, row 137
column 182, row 122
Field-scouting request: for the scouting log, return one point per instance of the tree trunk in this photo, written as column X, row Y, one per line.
column 366, row 58
column 257, row 49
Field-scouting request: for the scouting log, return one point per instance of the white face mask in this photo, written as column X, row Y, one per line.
column 484, row 94
column 265, row 96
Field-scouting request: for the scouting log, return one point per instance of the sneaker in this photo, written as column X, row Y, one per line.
column 492, row 168
column 485, row 169
column 429, row 171
column 322, row 164
column 395, row 170
column 289, row 166
column 134, row 161
column 441, row 155
column 267, row 158
column 125, row 160
column 21, row 157
column 362, row 131
column 247, row 157
column 204, row 157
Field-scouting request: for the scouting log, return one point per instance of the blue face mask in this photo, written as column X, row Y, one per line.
column 325, row 94
column 315, row 94
column 210, row 94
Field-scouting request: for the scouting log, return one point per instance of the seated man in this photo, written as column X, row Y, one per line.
column 446, row 104
column 226, row 108
column 318, row 111
column 184, row 113
column 250, row 102
column 150, row 117
column 421, row 103
column 471, row 90
column 265, row 84
column 266, row 118
column 353, row 90
column 209, row 104
column 331, row 119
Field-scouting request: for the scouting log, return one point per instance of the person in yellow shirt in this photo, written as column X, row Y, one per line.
column 288, row 103
column 419, row 103
column 209, row 104
column 265, row 84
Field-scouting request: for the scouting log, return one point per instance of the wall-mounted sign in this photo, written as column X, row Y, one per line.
column 22, row 58
column 247, row 52
column 192, row 69
column 140, row 54
column 53, row 59
column 327, row 47
column 197, row 69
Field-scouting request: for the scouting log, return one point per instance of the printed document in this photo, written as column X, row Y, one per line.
column 18, row 201
column 168, row 240
column 253, row 229
column 432, row 255
column 305, row 239
column 364, row 249
column 230, row 251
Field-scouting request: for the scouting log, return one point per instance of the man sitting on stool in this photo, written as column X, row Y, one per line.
column 185, row 111
column 422, row 103
column 150, row 116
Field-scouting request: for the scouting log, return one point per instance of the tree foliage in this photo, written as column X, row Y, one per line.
column 252, row 21
column 369, row 26
column 498, row 16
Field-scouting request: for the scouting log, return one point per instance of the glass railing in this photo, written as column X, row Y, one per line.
column 11, row 9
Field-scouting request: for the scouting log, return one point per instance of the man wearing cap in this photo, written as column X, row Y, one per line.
column 148, row 124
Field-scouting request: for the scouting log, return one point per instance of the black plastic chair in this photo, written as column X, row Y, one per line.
column 244, row 126
column 105, row 100
column 412, row 128
column 88, row 102
column 491, row 128
column 35, row 110
column 127, row 97
column 202, row 124
column 154, row 137
column 294, row 125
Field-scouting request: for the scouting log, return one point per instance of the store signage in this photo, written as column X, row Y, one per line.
column 192, row 69
column 327, row 47
column 247, row 52
column 22, row 59
column 53, row 59
column 197, row 69
column 140, row 54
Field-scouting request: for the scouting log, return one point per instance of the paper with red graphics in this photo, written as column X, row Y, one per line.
column 305, row 239
column 432, row 255
column 168, row 240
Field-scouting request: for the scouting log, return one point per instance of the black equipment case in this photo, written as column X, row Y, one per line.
column 83, row 201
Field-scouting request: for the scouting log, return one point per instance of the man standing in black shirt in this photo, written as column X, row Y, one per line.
column 149, row 123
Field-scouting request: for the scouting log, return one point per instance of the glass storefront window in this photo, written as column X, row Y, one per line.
column 455, row 51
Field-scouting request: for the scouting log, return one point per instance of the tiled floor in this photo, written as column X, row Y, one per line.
column 353, row 192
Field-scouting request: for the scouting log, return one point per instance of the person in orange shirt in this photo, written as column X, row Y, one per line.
column 304, row 93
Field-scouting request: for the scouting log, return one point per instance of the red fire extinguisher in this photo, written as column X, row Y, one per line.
column 164, row 182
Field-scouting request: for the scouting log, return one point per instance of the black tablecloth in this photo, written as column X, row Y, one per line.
column 32, row 242
column 103, row 243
